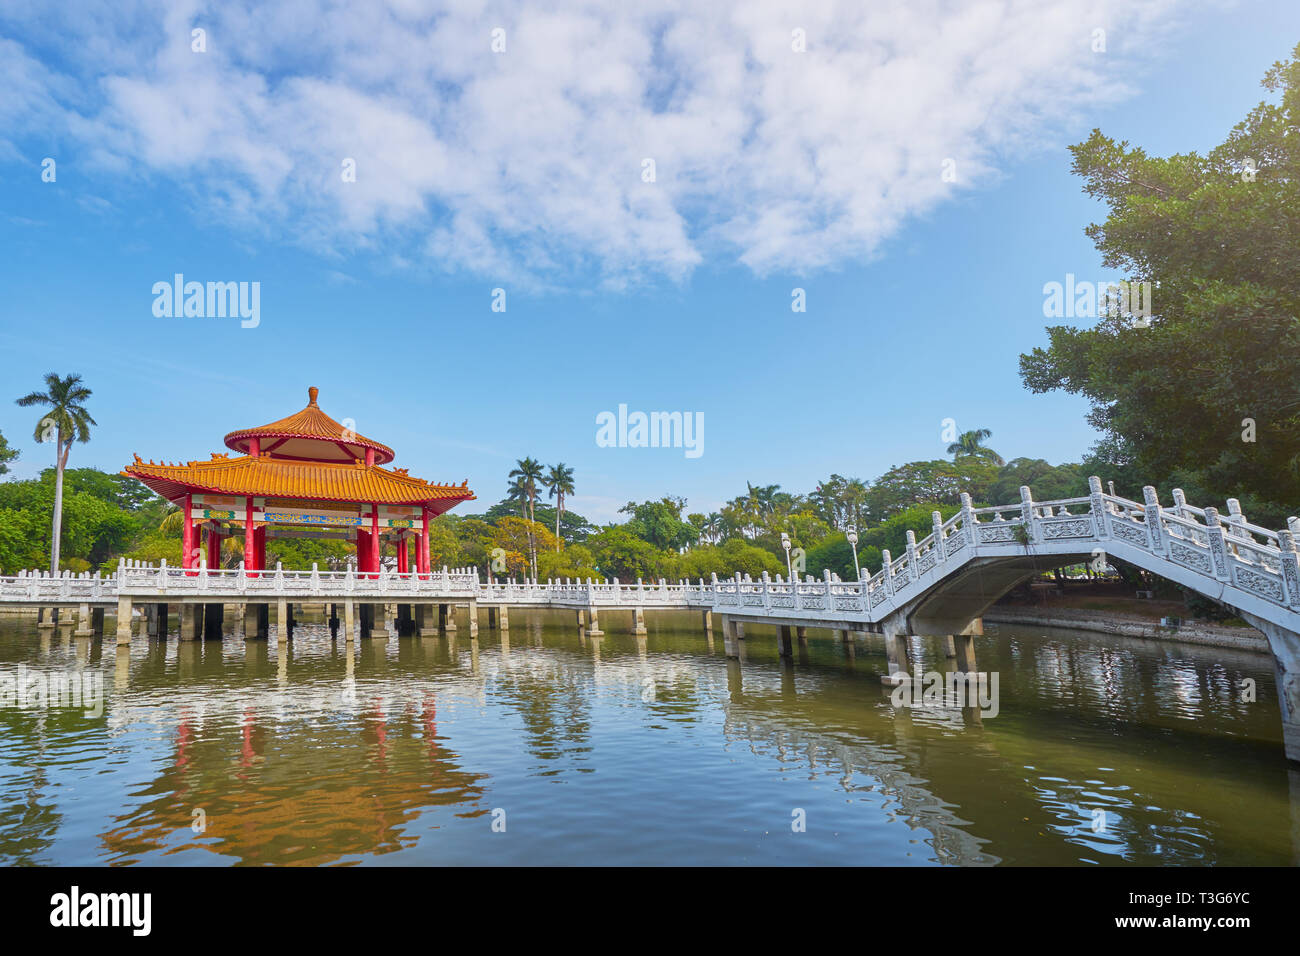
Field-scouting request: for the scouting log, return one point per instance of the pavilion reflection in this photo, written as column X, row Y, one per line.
column 374, row 767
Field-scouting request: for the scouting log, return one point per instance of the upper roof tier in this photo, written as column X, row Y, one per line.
column 309, row 435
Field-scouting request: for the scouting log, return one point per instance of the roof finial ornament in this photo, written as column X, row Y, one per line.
column 312, row 392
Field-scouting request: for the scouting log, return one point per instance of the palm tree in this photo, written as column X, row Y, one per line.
column 65, row 421
column 560, row 482
column 528, row 471
column 971, row 445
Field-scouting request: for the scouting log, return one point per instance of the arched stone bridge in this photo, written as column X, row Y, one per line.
column 941, row 586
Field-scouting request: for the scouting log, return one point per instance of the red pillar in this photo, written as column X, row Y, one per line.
column 254, row 447
column 370, row 457
column 250, row 535
column 187, row 535
column 424, row 540
column 260, row 538
column 214, row 548
column 374, row 537
column 363, row 550
column 403, row 547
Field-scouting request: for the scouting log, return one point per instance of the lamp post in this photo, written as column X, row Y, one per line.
column 853, row 540
column 785, row 543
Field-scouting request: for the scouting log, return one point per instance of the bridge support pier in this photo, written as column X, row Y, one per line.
column 503, row 617
column 733, row 635
column 708, row 622
column 83, row 621
column 964, row 650
column 638, row 621
column 787, row 648
column 425, row 621
column 949, row 646
column 282, row 629
column 377, row 631
column 593, row 623
column 97, row 621
column 123, row 619
column 191, row 622
column 1285, row 646
column 896, row 655
column 349, row 620
column 473, row 618
column 447, row 618
column 405, row 622
column 254, row 626
column 334, row 621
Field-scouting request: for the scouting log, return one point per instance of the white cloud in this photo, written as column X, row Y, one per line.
column 526, row 165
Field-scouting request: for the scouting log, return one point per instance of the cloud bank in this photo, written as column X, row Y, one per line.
column 784, row 137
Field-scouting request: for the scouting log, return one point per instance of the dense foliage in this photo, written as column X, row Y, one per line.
column 1204, row 394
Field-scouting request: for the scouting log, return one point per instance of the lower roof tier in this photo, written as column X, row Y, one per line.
column 277, row 477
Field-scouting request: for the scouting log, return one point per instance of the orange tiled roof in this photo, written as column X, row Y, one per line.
column 310, row 423
column 274, row 477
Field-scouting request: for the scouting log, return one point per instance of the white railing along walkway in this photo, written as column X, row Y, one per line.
column 1223, row 556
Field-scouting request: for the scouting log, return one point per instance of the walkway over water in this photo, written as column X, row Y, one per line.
column 941, row 586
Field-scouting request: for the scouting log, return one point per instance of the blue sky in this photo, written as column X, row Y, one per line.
column 477, row 172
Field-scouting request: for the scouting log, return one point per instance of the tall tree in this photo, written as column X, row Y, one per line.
column 559, row 480
column 528, row 471
column 65, row 421
column 971, row 445
column 1200, row 388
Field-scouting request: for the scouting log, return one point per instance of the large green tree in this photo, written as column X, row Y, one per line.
column 64, row 421
column 1204, row 390
column 7, row 455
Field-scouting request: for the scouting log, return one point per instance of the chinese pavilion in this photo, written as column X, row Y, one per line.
column 303, row 476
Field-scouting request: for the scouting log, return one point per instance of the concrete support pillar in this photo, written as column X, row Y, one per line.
column 473, row 618
column 787, row 648
column 447, row 618
column 425, row 620
column 638, row 621
column 378, row 630
column 252, row 622
column 896, row 654
column 97, row 621
column 162, row 622
column 964, row 651
column 282, row 620
column 46, row 617
column 593, row 623
column 503, row 616
column 948, row 645
column 191, row 620
column 334, row 621
column 349, row 620
column 124, row 619
column 733, row 636
column 708, row 622
column 492, row 618
column 405, row 622
column 83, row 621
column 802, row 634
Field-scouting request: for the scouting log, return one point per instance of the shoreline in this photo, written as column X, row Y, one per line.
column 1107, row 622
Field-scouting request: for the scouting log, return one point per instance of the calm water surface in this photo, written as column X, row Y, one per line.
column 654, row 750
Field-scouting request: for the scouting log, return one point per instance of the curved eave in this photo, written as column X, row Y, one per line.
column 227, row 477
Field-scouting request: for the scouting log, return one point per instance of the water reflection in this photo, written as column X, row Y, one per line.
column 650, row 749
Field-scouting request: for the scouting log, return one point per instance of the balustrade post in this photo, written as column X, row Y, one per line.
column 888, row 572
column 1218, row 549
column 936, row 531
column 912, row 573
column 1290, row 567
column 1155, row 519
column 1097, row 502
column 1027, row 515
